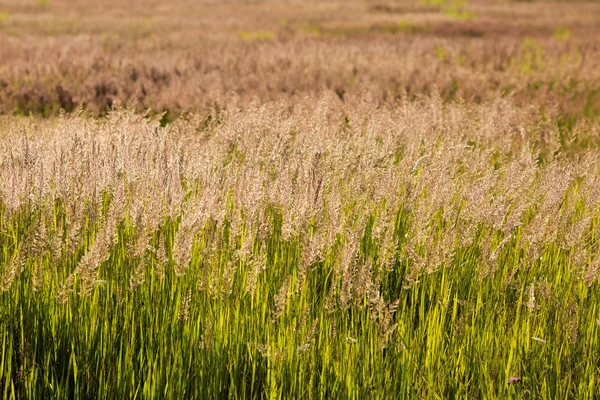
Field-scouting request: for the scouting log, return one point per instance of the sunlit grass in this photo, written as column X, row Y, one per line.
column 439, row 286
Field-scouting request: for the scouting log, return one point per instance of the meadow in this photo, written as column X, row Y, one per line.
column 272, row 200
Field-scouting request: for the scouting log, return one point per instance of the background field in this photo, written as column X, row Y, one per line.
column 361, row 199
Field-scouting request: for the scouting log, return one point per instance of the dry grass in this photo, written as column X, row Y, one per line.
column 180, row 57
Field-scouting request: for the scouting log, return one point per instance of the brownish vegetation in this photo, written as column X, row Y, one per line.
column 267, row 200
column 178, row 57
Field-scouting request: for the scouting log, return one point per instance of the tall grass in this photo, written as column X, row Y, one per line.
column 426, row 251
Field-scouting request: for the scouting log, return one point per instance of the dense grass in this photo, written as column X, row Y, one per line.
column 317, row 200
column 454, row 333
column 404, row 294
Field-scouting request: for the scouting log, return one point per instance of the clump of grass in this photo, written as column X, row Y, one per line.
column 441, row 53
column 406, row 26
column 455, row 9
column 531, row 58
column 562, row 34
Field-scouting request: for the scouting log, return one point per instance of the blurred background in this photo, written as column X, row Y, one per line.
column 180, row 56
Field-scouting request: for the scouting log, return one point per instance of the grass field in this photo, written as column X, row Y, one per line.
column 273, row 200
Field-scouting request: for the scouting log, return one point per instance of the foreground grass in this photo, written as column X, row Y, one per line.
column 421, row 252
